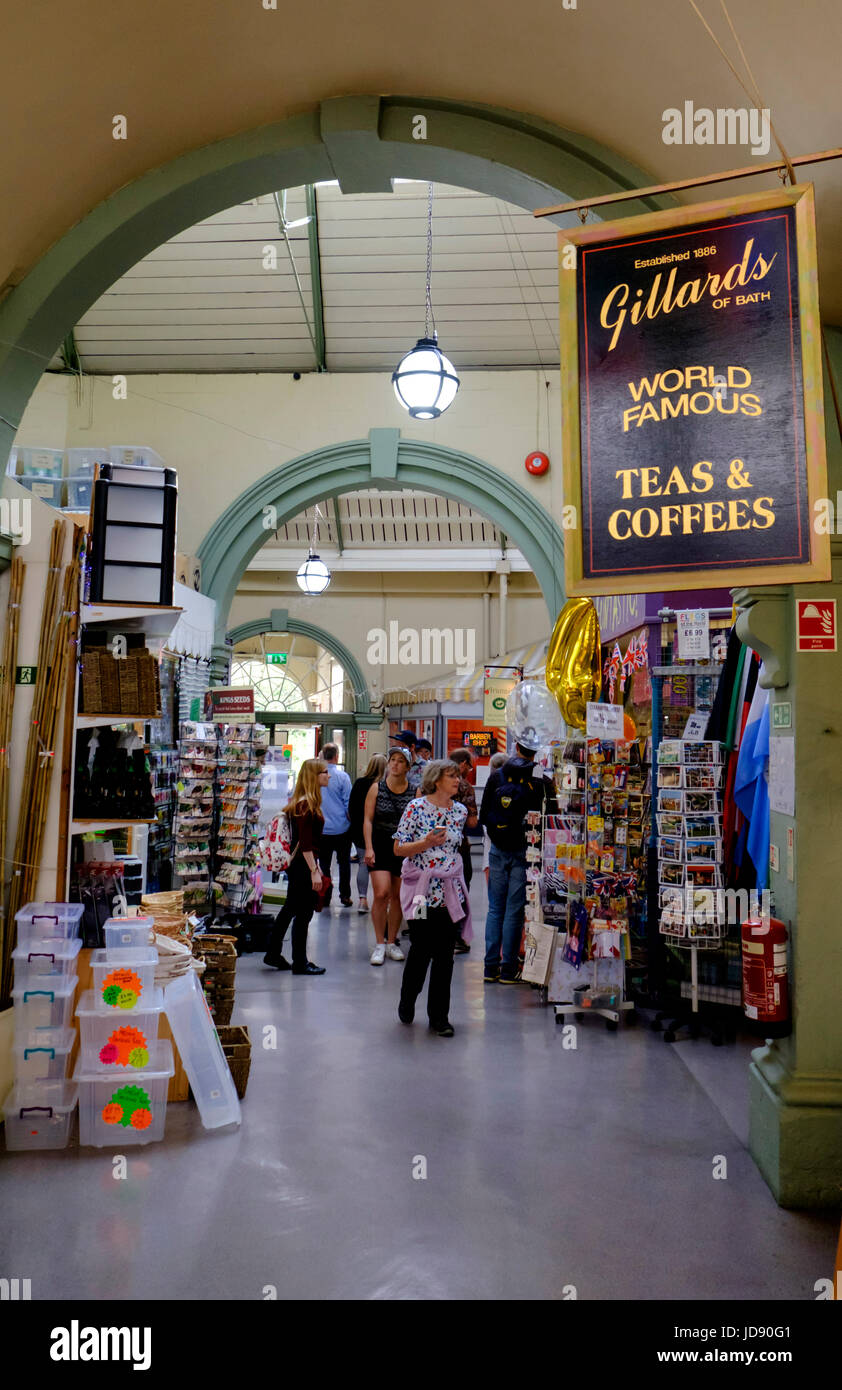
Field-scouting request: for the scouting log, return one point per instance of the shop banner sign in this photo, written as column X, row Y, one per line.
column 230, row 704
column 482, row 742
column 693, row 418
column 496, row 691
column 693, row 629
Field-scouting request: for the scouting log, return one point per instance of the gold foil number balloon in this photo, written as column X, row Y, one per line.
column 574, row 669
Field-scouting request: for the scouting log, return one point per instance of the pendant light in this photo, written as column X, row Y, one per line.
column 425, row 381
column 313, row 576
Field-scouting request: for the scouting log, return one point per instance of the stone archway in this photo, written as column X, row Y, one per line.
column 363, row 141
column 383, row 460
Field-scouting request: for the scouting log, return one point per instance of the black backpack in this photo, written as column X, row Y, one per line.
column 514, row 795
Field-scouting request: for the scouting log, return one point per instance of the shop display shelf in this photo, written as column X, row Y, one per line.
column 44, row 1004
column 39, row 1115
column 46, row 960
column 93, row 721
column 124, row 1107
column 48, row 922
column 41, row 1054
column 110, row 1044
column 87, row 827
column 123, row 980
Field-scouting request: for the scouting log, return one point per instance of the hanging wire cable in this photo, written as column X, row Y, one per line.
column 429, row 316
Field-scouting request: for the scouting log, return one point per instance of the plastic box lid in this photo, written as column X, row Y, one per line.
column 55, row 1040
column 64, row 912
column 62, row 950
column 138, row 955
column 87, row 1005
column 53, row 1095
column 161, row 1067
column 57, row 989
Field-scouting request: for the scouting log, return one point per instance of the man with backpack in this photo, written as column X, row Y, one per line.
column 510, row 792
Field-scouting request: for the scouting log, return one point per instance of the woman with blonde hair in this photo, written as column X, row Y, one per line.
column 385, row 803
column 356, row 815
column 304, row 877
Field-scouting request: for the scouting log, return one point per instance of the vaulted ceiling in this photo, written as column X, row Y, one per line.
column 223, row 295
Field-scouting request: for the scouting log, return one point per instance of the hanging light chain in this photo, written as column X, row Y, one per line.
column 429, row 317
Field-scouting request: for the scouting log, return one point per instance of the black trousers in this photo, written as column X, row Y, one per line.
column 298, row 909
column 431, row 942
column 341, row 846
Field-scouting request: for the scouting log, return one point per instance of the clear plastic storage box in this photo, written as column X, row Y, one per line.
column 41, row 1054
column 124, row 1107
column 39, row 1115
column 44, row 1003
column 79, row 492
column 201, row 1052
column 129, row 932
column 45, row 462
column 109, row 1043
column 82, row 463
column 48, row 922
column 50, row 490
column 123, row 980
column 135, row 456
column 50, row 960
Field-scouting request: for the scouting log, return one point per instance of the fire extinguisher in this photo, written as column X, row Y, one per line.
column 765, row 981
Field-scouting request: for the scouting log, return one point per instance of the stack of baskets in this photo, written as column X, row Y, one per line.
column 219, row 955
column 236, row 1044
column 125, row 685
column 170, row 917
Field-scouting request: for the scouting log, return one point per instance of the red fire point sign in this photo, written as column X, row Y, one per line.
column 362, row 740
column 817, row 625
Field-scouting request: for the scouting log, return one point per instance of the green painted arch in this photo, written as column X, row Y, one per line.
column 383, row 460
column 362, row 696
column 362, row 141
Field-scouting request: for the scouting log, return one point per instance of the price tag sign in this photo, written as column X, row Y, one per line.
column 693, row 634
column 695, row 727
column 604, row 721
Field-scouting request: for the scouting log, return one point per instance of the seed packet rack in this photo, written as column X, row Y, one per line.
column 690, row 858
column 241, row 749
column 193, row 825
column 593, row 869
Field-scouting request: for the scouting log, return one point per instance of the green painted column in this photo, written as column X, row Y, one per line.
column 796, row 1082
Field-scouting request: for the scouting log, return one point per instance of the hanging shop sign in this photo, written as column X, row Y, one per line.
column 230, row 704
column 693, row 630
column 604, row 721
column 495, row 693
column 692, row 397
column 482, row 742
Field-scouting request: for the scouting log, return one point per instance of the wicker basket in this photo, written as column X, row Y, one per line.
column 236, row 1044
column 91, row 686
column 129, row 696
column 109, row 679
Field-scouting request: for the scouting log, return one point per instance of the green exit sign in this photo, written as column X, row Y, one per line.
column 277, row 658
column 782, row 715
column 26, row 675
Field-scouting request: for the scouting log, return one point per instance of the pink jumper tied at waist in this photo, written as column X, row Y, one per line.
column 415, row 883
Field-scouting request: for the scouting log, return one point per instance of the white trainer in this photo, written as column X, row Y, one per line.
column 394, row 952
column 378, row 955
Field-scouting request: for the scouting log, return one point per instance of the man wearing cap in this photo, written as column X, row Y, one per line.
column 407, row 739
column 511, row 791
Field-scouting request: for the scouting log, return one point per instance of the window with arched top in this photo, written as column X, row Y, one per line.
column 291, row 674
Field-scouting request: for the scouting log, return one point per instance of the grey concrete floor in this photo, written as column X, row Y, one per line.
column 546, row 1167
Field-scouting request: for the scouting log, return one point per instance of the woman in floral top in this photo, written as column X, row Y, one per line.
column 434, row 895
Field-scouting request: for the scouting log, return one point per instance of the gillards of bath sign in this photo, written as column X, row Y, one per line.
column 692, row 397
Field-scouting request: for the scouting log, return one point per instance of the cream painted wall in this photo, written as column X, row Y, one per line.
column 355, row 605
column 223, row 433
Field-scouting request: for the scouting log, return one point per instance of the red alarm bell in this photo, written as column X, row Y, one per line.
column 537, row 463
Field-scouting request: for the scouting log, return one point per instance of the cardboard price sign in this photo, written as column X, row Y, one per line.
column 692, row 404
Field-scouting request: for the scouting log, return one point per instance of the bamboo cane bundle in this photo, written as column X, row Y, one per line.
column 47, row 693
column 7, row 704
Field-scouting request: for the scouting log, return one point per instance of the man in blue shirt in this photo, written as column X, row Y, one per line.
column 336, row 836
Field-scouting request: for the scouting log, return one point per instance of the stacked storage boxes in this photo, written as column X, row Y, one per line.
column 124, row 1068
column 42, row 471
column 39, row 1109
